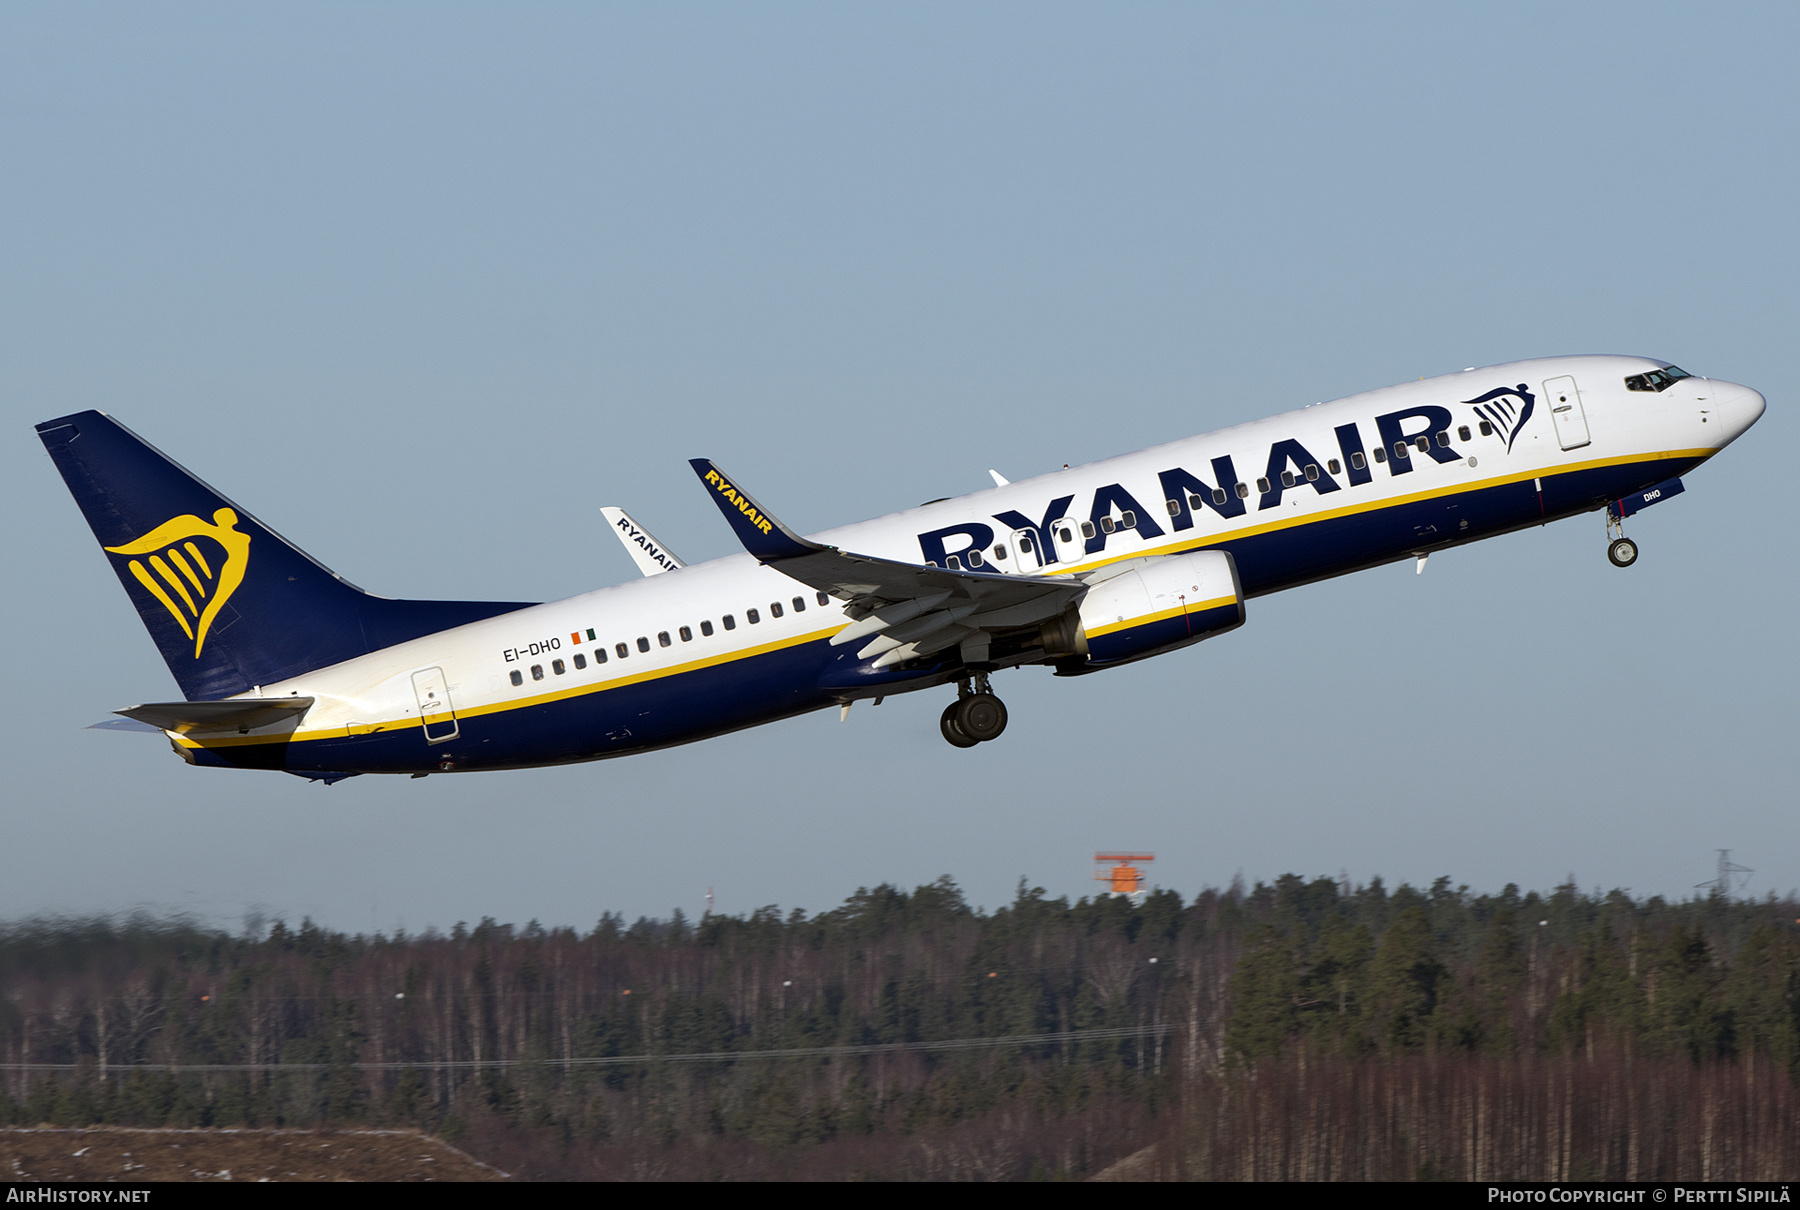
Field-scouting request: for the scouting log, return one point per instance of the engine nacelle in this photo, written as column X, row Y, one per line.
column 1159, row 604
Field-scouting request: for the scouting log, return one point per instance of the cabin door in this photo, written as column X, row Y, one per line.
column 1028, row 556
column 1071, row 547
column 1564, row 402
column 435, row 710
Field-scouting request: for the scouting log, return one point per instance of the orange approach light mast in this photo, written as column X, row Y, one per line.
column 1125, row 877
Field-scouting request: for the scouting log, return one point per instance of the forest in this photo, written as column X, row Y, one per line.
column 1299, row 1029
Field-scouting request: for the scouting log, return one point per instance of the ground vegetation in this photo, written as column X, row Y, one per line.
column 1300, row 1029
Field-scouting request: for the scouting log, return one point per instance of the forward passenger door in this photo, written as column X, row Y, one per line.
column 1564, row 401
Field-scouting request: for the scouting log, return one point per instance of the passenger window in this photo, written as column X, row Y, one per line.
column 1026, row 545
column 518, row 678
column 953, row 563
column 1462, row 433
column 1174, row 507
column 1312, row 471
column 1399, row 449
column 752, row 617
column 730, row 622
column 1357, row 461
column 1443, row 440
column 1424, row 444
column 1128, row 519
column 1107, row 525
column 1087, row 529
column 1487, row 430
column 1194, row 500
column 975, row 559
column 824, row 599
column 599, row 656
column 622, row 649
column 1243, row 491
column 1065, row 535
column 706, row 629
column 1287, row 478
column 558, row 667
column 1262, row 485
column 662, row 638
column 774, row 609
column 799, row 604
column 643, row 643
column 1333, row 467
column 580, row 661
column 1380, row 454
column 1218, row 495
column 686, row 633
column 537, row 672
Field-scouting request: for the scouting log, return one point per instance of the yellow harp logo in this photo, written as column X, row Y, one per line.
column 183, row 568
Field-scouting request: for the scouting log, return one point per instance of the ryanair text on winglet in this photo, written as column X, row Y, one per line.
column 744, row 506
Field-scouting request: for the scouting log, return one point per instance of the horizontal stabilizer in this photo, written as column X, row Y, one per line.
column 652, row 557
column 123, row 724
column 233, row 714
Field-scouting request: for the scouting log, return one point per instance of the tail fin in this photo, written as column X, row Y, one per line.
column 230, row 602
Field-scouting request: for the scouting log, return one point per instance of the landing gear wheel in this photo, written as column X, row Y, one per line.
column 981, row 716
column 1623, row 552
column 952, row 729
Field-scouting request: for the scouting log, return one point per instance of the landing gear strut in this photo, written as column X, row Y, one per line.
column 1622, row 551
column 976, row 715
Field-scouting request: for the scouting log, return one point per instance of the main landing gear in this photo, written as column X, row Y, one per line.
column 1622, row 551
column 976, row 715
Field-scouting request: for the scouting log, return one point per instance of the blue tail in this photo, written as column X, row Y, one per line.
column 230, row 602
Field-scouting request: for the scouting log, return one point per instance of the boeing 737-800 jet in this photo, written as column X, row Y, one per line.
column 286, row 666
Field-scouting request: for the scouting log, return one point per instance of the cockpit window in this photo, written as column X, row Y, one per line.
column 1656, row 380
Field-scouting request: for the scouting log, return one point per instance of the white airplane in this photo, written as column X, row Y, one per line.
column 286, row 666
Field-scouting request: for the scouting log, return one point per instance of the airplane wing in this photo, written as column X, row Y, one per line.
column 652, row 557
column 906, row 610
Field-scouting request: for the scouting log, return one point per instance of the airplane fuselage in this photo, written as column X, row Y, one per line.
column 718, row 646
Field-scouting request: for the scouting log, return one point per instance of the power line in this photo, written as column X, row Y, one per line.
column 717, row 1056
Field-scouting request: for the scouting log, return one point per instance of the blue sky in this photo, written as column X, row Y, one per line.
column 425, row 285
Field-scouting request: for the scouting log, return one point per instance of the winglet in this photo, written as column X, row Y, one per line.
column 761, row 534
column 652, row 557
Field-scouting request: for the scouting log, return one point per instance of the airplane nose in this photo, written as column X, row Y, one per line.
column 1736, row 407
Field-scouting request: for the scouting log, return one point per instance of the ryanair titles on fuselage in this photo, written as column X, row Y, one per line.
column 1425, row 429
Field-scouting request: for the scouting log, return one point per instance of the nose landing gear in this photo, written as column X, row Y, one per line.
column 1622, row 551
column 976, row 715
